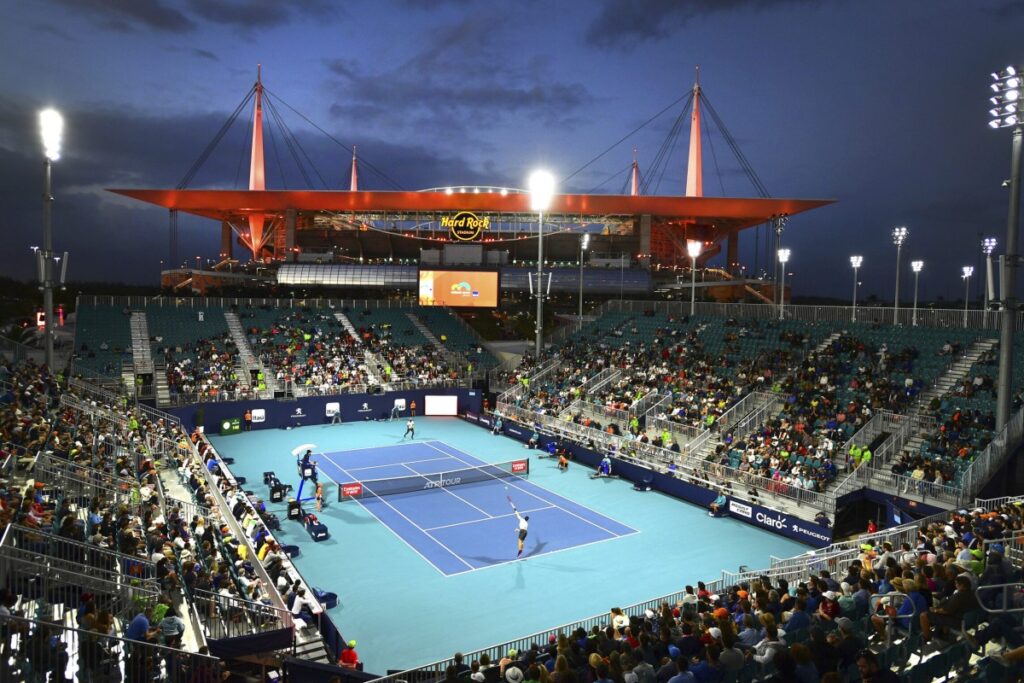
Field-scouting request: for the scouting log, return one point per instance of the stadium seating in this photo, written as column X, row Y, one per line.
column 102, row 339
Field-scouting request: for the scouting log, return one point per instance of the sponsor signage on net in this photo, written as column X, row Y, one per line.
column 355, row 489
column 519, row 466
column 465, row 226
column 740, row 509
column 441, row 483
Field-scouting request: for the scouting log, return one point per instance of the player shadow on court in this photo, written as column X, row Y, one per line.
column 535, row 550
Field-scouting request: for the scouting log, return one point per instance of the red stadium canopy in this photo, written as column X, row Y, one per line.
column 736, row 213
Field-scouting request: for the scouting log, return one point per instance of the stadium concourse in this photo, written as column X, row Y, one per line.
column 130, row 549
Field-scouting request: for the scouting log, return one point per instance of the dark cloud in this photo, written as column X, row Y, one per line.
column 625, row 24
column 257, row 13
column 127, row 14
column 457, row 80
column 1009, row 10
column 432, row 4
column 54, row 31
column 205, row 54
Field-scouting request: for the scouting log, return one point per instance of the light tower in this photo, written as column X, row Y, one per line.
column 542, row 188
column 51, row 128
column 899, row 236
column 783, row 260
column 916, row 266
column 855, row 261
column 988, row 245
column 1006, row 113
column 693, row 249
column 968, row 271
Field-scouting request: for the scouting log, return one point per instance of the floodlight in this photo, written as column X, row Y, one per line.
column 916, row 266
column 784, row 256
column 51, row 126
column 693, row 248
column 855, row 261
column 542, row 188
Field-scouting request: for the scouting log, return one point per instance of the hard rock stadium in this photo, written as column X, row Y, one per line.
column 224, row 483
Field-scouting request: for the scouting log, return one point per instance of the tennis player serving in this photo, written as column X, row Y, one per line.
column 524, row 525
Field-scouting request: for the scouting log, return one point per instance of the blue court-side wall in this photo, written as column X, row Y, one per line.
column 312, row 410
column 789, row 526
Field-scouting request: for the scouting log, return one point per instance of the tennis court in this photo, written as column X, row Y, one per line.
column 382, row 579
column 453, row 509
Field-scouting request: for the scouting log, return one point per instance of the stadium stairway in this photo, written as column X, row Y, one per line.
column 347, row 324
column 957, row 372
column 246, row 361
column 455, row 358
column 883, row 479
column 372, row 361
column 142, row 356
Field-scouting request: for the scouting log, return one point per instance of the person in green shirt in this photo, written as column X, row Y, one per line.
column 865, row 456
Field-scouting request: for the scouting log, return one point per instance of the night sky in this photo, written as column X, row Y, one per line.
column 879, row 105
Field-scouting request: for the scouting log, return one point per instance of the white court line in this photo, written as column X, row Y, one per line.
column 510, row 482
column 445, row 489
column 422, row 530
column 410, row 462
column 477, row 521
column 377, row 448
column 551, row 552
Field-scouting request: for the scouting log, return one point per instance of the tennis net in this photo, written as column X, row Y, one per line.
column 434, row 480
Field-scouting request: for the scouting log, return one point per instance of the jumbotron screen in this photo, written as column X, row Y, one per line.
column 477, row 288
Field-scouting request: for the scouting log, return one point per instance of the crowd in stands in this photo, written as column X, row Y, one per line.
column 308, row 348
column 856, row 622
column 203, row 369
column 104, row 448
column 828, row 387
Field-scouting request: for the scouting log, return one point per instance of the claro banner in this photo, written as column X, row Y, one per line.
column 746, row 511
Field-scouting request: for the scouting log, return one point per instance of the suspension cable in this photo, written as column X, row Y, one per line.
column 338, row 142
column 198, row 163
column 689, row 94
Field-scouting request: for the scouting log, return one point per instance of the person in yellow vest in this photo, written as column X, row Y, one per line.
column 865, row 456
column 855, row 453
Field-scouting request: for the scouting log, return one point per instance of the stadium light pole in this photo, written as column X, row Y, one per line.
column 542, row 187
column 855, row 261
column 988, row 245
column 584, row 242
column 693, row 249
column 916, row 266
column 783, row 260
column 51, row 129
column 968, row 271
column 899, row 236
column 1008, row 87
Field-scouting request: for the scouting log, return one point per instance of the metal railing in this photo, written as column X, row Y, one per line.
column 926, row 317
column 995, row 454
column 106, row 564
column 643, row 404
column 98, row 657
column 55, row 581
column 225, row 616
column 901, row 428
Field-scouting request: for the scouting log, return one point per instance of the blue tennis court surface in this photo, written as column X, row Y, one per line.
column 379, row 577
column 467, row 527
